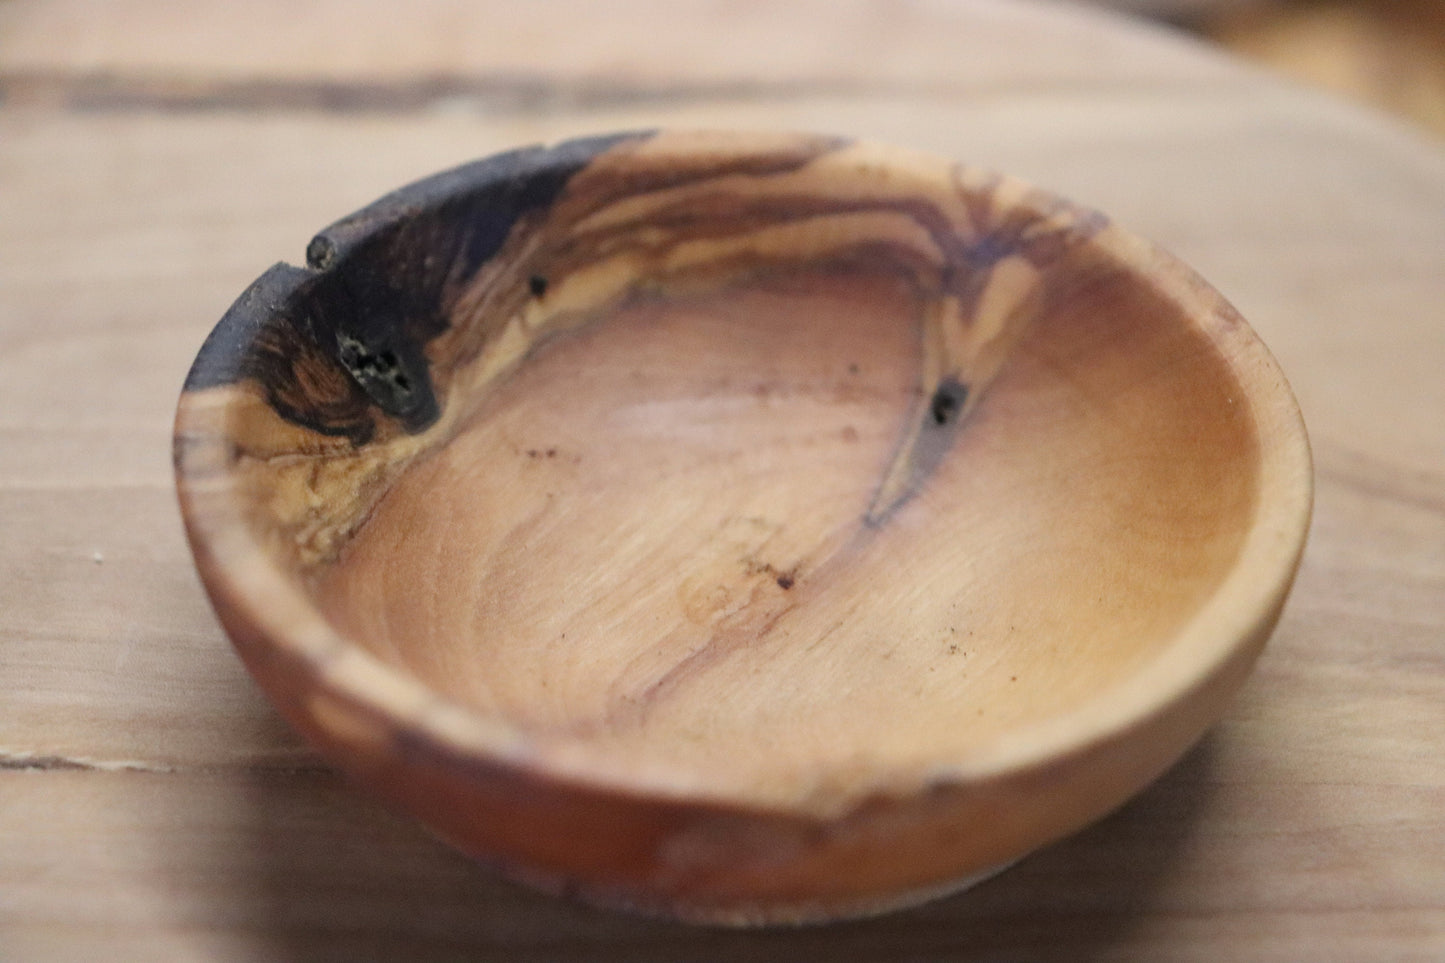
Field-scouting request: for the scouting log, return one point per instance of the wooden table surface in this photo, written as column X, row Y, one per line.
column 155, row 157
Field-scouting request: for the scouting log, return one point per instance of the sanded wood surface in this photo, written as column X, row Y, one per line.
column 152, row 163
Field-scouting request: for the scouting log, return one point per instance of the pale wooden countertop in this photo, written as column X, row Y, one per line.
column 154, row 158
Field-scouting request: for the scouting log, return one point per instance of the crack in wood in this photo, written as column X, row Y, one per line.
column 52, row 763
column 490, row 95
column 44, row 762
column 504, row 94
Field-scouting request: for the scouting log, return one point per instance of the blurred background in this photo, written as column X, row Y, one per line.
column 1388, row 53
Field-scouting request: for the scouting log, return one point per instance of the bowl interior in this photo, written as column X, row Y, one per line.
column 669, row 530
column 652, row 536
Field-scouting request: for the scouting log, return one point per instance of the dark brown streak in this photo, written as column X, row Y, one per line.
column 697, row 222
column 1022, row 230
column 687, row 171
column 703, row 215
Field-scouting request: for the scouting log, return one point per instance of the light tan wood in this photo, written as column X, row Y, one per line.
column 1306, row 827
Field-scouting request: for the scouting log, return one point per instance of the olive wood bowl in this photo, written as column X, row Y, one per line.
column 742, row 527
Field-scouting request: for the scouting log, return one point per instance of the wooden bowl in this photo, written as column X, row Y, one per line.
column 745, row 528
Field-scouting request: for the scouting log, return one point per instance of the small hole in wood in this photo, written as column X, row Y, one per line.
column 947, row 401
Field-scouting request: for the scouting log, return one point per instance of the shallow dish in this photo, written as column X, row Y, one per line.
column 742, row 527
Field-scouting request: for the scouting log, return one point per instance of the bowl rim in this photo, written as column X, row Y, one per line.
column 259, row 601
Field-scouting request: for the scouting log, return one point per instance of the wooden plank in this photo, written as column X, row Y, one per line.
column 858, row 47
column 293, row 864
column 152, row 805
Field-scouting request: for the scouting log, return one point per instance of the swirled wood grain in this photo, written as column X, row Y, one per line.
column 408, row 309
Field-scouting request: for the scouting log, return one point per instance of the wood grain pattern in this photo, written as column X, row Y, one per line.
column 1306, row 827
column 446, row 303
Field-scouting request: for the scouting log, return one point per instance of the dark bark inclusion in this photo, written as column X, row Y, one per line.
column 340, row 343
column 380, row 374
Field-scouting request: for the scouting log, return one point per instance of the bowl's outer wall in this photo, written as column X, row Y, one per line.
column 717, row 864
